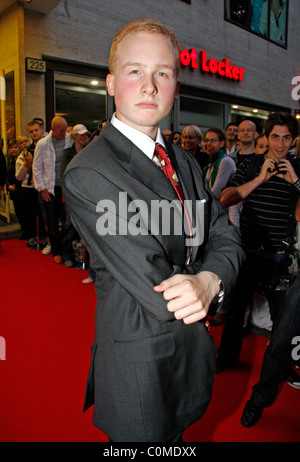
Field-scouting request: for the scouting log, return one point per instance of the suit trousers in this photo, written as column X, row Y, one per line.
column 176, row 439
column 277, row 358
column 29, row 211
column 261, row 271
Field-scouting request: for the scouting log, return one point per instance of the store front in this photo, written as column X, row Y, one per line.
column 229, row 68
column 216, row 108
column 212, row 109
column 76, row 92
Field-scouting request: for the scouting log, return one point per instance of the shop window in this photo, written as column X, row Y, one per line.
column 205, row 114
column 257, row 115
column 267, row 18
column 80, row 99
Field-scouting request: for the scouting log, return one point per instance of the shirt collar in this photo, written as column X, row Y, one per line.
column 140, row 139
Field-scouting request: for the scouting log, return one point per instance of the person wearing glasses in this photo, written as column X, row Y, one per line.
column 192, row 142
column 220, row 167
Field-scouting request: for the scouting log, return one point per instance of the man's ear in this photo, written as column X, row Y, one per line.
column 110, row 83
column 176, row 94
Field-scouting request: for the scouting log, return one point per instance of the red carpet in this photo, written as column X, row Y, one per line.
column 47, row 321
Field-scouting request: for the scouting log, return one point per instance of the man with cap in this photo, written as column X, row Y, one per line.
column 80, row 134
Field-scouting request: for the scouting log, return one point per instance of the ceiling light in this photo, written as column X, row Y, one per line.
column 255, row 110
column 94, row 82
column 235, row 106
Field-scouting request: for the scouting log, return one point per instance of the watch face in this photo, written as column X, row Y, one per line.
column 221, row 293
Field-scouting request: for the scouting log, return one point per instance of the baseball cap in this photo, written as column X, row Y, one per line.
column 79, row 129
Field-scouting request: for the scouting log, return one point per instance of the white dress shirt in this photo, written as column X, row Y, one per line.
column 140, row 139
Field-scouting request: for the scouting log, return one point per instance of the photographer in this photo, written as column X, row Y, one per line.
column 268, row 185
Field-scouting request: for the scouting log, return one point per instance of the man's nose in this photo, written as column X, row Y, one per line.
column 149, row 86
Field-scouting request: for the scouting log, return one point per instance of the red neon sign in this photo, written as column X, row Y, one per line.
column 222, row 68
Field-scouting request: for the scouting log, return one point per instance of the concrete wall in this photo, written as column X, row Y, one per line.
column 82, row 31
column 85, row 35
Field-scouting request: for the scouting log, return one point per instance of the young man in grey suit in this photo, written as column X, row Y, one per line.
column 153, row 360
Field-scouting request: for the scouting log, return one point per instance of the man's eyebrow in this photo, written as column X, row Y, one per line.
column 140, row 64
column 168, row 66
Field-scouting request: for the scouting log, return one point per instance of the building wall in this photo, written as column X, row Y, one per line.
column 12, row 54
column 86, row 33
column 82, row 31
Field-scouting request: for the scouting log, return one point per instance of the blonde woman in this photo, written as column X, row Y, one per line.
column 192, row 141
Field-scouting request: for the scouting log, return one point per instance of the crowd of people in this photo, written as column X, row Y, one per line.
column 32, row 173
column 239, row 166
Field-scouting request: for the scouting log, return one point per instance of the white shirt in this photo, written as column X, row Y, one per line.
column 230, row 151
column 43, row 166
column 21, row 171
column 140, row 139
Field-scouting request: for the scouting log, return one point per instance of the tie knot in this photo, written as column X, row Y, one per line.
column 161, row 152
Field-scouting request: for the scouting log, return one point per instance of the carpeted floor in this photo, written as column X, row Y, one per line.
column 47, row 321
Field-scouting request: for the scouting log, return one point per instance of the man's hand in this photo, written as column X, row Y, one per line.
column 46, row 195
column 267, row 170
column 282, row 168
column 286, row 171
column 189, row 296
column 28, row 161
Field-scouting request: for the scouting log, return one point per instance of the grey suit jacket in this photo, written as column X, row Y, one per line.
column 151, row 375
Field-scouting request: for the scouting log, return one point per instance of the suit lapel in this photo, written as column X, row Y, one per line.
column 137, row 163
column 188, row 184
column 145, row 170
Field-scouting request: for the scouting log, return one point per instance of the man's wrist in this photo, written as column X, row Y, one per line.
column 218, row 299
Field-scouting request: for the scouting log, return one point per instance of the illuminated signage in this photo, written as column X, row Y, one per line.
column 222, row 68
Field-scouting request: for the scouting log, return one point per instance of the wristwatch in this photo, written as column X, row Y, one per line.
column 218, row 299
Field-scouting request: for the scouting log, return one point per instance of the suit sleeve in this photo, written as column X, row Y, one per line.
column 222, row 252
column 137, row 262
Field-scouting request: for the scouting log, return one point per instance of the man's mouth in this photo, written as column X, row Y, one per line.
column 147, row 105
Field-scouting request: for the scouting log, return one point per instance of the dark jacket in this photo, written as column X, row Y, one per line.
column 151, row 375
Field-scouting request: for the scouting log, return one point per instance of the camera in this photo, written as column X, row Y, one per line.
column 276, row 168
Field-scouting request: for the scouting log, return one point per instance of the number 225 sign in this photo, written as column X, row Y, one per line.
column 35, row 65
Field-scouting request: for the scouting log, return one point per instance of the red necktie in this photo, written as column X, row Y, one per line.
column 169, row 171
